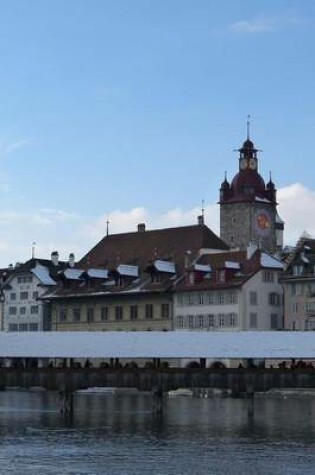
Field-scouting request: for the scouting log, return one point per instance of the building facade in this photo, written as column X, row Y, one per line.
column 125, row 282
column 299, row 287
column 231, row 291
column 23, row 309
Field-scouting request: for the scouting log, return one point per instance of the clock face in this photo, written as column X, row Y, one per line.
column 262, row 222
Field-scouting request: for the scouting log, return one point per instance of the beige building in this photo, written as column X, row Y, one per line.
column 125, row 282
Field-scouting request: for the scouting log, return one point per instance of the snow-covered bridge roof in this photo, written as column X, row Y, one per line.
column 177, row 344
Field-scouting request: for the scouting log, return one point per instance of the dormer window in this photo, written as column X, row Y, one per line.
column 297, row 270
column 191, row 278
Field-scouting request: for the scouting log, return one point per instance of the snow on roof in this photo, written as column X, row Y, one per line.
column 165, row 266
column 202, row 268
column 98, row 273
column 73, row 274
column 175, row 344
column 261, row 200
column 268, row 261
column 42, row 273
column 232, row 265
column 130, row 271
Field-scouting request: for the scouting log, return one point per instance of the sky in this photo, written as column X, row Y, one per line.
column 131, row 111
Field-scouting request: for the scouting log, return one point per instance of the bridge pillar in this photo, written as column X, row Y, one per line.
column 66, row 401
column 158, row 396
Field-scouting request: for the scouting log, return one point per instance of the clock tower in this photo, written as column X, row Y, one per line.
column 248, row 207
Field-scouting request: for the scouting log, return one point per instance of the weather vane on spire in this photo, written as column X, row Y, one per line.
column 248, row 126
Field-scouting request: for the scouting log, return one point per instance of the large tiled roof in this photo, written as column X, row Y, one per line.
column 138, row 248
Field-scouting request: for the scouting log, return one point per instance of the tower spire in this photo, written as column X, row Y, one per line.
column 248, row 126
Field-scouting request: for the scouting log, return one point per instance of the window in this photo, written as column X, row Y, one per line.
column 34, row 309
column 13, row 327
column 253, row 298
column 23, row 295
column 221, row 320
column 34, row 327
column 210, row 298
column 13, row 296
column 233, row 319
column 253, row 320
column 76, row 315
column 35, row 295
column 104, row 314
column 191, row 321
column 190, row 298
column 293, row 325
column 293, row 289
column 191, row 278
column 274, row 299
column 274, row 321
column 297, row 270
column 22, row 310
column 90, row 314
column 232, row 298
column 133, row 312
column 295, row 307
column 211, row 320
column 118, row 312
column 268, row 277
column 221, row 298
column 23, row 327
column 200, row 298
column 232, row 239
column 148, row 311
column 12, row 311
column 200, row 320
column 180, row 299
column 62, row 315
column 180, row 321
column 165, row 308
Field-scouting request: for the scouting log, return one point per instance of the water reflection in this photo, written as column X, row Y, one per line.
column 118, row 434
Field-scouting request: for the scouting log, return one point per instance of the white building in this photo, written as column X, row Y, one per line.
column 230, row 291
column 23, row 310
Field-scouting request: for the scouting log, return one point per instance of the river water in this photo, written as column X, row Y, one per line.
column 118, row 434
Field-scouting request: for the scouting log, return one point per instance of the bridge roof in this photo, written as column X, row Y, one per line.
column 177, row 344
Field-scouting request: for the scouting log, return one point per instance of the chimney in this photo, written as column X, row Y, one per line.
column 55, row 258
column 141, row 227
column 71, row 260
column 187, row 259
column 251, row 249
column 200, row 220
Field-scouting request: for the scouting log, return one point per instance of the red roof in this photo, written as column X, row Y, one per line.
column 138, row 248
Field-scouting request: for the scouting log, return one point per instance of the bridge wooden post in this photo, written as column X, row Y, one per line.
column 250, row 393
column 158, row 396
column 66, row 400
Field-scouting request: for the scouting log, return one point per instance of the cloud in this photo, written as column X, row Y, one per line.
column 296, row 207
column 264, row 24
column 7, row 148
